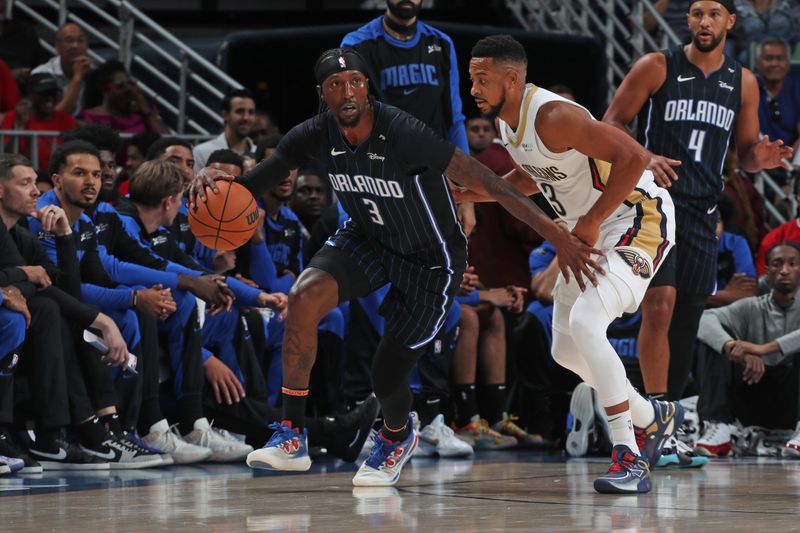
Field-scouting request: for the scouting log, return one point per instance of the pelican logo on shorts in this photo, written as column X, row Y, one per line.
column 252, row 217
column 639, row 265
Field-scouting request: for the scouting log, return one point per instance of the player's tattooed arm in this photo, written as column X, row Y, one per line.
column 263, row 177
column 573, row 255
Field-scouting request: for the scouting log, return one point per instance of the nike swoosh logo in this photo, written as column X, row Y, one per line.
column 62, row 454
column 410, row 91
column 682, row 79
column 108, row 455
column 709, row 211
column 334, row 152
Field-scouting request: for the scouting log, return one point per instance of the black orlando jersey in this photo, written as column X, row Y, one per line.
column 691, row 118
column 391, row 184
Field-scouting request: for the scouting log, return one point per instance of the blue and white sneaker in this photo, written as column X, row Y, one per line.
column 285, row 450
column 668, row 418
column 386, row 459
column 628, row 474
column 10, row 464
column 677, row 454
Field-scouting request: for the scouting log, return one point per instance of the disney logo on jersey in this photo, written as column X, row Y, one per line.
column 159, row 240
column 100, row 228
column 699, row 111
column 723, row 85
column 86, row 236
column 545, row 173
column 639, row 265
column 366, row 185
column 375, row 156
column 434, row 48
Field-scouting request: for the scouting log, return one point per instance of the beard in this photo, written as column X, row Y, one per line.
column 710, row 46
column 495, row 110
column 77, row 202
column 403, row 13
column 351, row 122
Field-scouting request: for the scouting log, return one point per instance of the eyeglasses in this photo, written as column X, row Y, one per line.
column 72, row 40
column 121, row 84
column 774, row 109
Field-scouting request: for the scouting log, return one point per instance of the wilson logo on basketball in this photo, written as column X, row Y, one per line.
column 639, row 265
column 252, row 217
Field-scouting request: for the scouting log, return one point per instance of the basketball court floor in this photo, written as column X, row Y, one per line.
column 520, row 491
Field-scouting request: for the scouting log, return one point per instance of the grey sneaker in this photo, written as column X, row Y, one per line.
column 224, row 446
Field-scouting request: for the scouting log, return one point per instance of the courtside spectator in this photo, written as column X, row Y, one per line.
column 113, row 99
column 779, row 98
column 238, row 113
column 264, row 126
column 750, row 371
column 9, row 93
column 736, row 273
column 69, row 67
column 38, row 113
column 135, row 155
column 790, row 231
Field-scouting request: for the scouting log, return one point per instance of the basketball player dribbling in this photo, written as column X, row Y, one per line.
column 388, row 170
column 594, row 177
column 691, row 101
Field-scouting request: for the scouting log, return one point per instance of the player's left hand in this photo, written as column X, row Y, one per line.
column 773, row 154
column 205, row 179
column 517, row 298
column 466, row 215
column 574, row 254
column 277, row 301
column 223, row 381
column 661, row 167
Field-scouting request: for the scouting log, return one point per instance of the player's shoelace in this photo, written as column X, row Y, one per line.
column 621, row 462
column 383, row 453
column 284, row 437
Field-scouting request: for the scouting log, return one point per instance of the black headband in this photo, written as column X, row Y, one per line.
column 727, row 4
column 338, row 60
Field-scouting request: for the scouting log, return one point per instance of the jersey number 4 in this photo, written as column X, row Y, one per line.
column 374, row 213
column 696, row 144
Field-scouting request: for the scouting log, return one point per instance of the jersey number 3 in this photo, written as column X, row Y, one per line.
column 550, row 194
column 696, row 144
column 372, row 209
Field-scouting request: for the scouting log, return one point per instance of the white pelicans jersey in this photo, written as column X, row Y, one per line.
column 572, row 182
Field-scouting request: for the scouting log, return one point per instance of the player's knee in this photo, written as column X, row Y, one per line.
column 312, row 297
column 657, row 307
column 588, row 317
column 496, row 321
column 469, row 322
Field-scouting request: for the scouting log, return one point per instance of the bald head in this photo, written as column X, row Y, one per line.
column 70, row 42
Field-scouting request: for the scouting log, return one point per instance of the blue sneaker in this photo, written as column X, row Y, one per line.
column 628, row 474
column 677, row 454
column 12, row 464
column 669, row 417
column 386, row 459
column 286, row 450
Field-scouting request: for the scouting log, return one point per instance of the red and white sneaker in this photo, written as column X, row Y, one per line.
column 715, row 439
column 791, row 449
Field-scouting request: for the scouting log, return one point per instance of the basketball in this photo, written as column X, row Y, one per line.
column 227, row 219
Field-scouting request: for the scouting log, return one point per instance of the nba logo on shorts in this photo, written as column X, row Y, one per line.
column 634, row 259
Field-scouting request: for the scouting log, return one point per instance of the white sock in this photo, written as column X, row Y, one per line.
column 642, row 412
column 621, row 428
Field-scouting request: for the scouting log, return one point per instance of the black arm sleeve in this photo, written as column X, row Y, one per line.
column 10, row 259
column 92, row 270
column 78, row 312
column 295, row 149
column 182, row 258
column 70, row 279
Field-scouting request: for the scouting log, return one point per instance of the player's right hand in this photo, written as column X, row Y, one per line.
column 14, row 300
column 661, row 167
column 205, row 179
column 575, row 256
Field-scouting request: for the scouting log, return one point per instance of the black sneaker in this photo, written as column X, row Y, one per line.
column 121, row 452
column 68, row 457
column 345, row 434
column 9, row 448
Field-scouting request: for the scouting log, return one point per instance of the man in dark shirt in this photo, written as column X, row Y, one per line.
column 388, row 171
